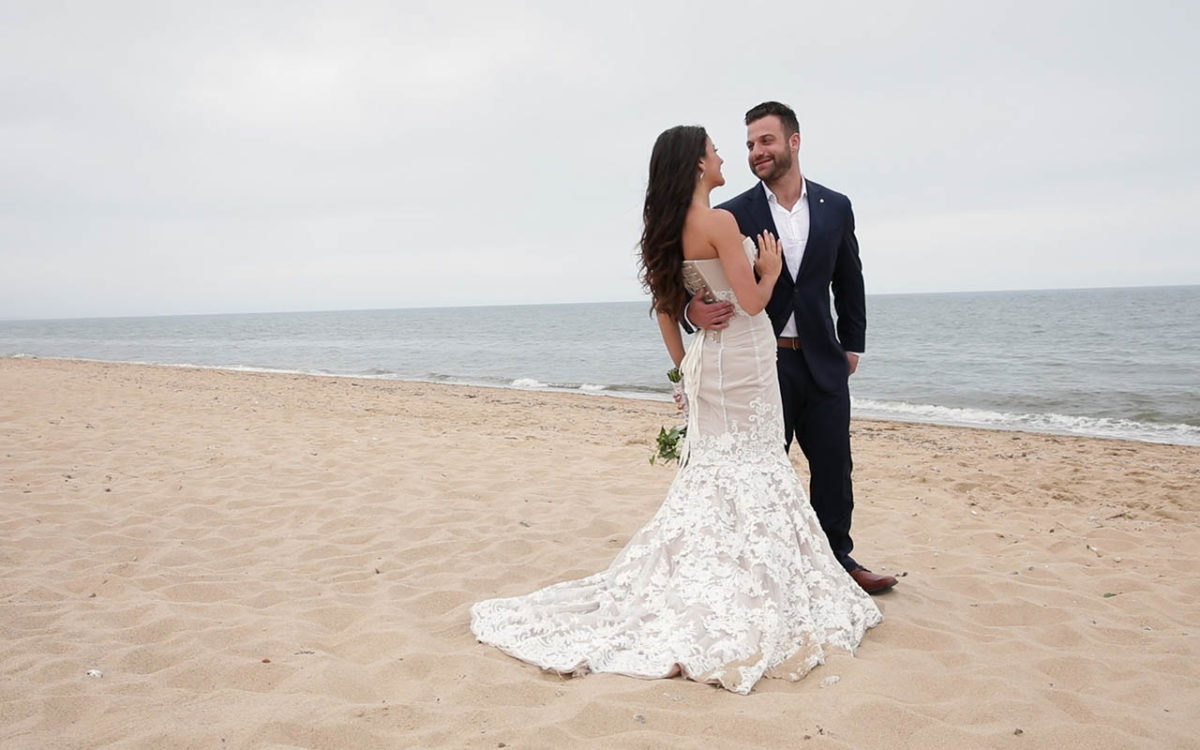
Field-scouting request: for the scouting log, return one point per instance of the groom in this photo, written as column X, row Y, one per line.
column 815, row 227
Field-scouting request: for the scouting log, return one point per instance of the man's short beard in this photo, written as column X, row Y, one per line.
column 779, row 168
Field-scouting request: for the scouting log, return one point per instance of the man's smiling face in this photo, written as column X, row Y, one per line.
column 772, row 153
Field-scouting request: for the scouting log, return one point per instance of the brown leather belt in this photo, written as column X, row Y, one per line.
column 789, row 342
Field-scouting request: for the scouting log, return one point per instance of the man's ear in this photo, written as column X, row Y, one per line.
column 794, row 142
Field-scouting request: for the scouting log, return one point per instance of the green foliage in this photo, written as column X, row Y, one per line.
column 668, row 444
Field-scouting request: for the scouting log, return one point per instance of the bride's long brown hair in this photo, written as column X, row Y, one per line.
column 673, row 164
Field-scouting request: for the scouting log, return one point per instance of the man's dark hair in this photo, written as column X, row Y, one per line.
column 782, row 111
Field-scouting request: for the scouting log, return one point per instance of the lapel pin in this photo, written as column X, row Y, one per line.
column 820, row 200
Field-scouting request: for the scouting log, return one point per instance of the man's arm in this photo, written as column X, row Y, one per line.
column 849, row 294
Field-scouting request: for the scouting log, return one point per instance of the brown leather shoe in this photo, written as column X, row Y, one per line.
column 872, row 583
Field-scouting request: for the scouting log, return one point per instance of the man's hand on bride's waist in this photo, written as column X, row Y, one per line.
column 711, row 316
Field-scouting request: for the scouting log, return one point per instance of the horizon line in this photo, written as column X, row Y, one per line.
column 554, row 304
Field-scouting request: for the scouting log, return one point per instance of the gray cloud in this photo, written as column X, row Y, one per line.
column 170, row 158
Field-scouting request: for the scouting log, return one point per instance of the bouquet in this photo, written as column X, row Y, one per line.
column 669, row 442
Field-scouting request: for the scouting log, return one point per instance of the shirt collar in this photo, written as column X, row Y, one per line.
column 803, row 192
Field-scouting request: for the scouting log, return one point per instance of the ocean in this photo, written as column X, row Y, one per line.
column 1114, row 363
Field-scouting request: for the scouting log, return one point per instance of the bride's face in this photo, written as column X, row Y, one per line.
column 710, row 165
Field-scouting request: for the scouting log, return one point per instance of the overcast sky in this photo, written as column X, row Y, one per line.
column 172, row 157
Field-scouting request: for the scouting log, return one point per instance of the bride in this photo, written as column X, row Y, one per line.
column 733, row 578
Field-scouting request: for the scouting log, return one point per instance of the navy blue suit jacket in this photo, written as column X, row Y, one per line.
column 830, row 261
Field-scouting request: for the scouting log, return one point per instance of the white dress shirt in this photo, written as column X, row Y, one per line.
column 793, row 238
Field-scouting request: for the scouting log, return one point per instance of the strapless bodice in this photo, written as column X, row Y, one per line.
column 707, row 272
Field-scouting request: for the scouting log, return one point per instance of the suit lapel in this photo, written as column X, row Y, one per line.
column 816, row 225
column 760, row 213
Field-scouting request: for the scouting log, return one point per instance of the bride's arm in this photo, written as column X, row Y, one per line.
column 671, row 337
column 727, row 239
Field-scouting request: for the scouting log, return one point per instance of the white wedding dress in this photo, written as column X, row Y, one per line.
column 732, row 579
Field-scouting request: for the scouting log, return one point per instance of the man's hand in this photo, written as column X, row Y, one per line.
column 711, row 316
column 852, row 358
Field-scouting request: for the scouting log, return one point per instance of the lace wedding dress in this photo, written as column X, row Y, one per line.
column 732, row 579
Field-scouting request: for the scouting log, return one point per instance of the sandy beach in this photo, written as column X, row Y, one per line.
column 256, row 560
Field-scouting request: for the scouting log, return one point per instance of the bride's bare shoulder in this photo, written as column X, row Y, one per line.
column 717, row 220
column 708, row 229
column 713, row 220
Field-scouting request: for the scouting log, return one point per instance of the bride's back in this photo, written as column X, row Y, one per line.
column 698, row 234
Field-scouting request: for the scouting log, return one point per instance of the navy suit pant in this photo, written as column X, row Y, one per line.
column 820, row 422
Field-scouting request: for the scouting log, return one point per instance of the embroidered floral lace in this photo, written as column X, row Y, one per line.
column 732, row 579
